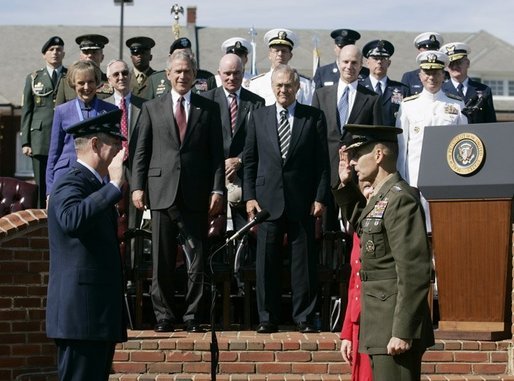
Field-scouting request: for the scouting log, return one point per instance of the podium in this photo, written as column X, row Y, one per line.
column 467, row 175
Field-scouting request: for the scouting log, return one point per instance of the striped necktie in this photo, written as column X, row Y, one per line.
column 124, row 125
column 233, row 112
column 284, row 133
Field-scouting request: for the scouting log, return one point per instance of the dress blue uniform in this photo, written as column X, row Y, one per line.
column 85, row 311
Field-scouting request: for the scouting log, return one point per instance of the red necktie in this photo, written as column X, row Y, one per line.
column 124, row 126
column 233, row 112
column 180, row 117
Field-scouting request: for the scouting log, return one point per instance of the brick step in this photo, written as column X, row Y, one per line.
column 247, row 356
column 289, row 377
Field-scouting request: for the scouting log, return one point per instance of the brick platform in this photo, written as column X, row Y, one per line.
column 290, row 356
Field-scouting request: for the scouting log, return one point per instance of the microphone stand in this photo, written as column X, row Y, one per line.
column 214, row 348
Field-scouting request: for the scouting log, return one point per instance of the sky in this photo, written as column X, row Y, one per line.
column 493, row 16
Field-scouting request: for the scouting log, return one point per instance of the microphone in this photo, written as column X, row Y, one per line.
column 259, row 217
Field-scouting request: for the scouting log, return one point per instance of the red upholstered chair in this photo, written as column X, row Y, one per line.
column 16, row 195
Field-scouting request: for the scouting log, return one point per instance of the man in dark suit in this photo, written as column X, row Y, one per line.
column 141, row 55
column 85, row 310
column 236, row 105
column 328, row 75
column 395, row 324
column 119, row 78
column 179, row 159
column 473, row 93
column 378, row 55
column 286, row 173
column 38, row 111
column 422, row 42
column 347, row 102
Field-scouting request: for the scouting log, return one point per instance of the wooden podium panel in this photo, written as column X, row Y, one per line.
column 472, row 250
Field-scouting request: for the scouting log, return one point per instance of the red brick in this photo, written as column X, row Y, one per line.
column 499, row 357
column 197, row 367
column 487, row 346
column 471, row 356
column 489, row 368
column 121, row 355
column 438, row 356
column 241, row 368
column 453, row 368
column 339, row 368
column 13, row 291
column 42, row 361
column 177, row 356
column 27, row 302
column 14, row 267
column 327, row 356
column 29, row 278
column 149, row 345
column 39, row 243
column 5, row 350
column 6, row 279
column 26, row 350
column 224, row 356
column 129, row 367
column 309, row 346
column 470, row 345
column 164, row 368
column 272, row 345
column 12, row 362
column 147, row 356
column 268, row 367
column 185, row 345
column 428, row 368
column 12, row 338
column 26, row 326
column 254, row 345
column 309, row 368
column 291, row 345
column 296, row 356
column 452, row 345
column 327, row 345
column 265, row 356
column 38, row 266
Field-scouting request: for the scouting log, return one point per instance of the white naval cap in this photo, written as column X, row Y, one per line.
column 428, row 40
column 281, row 36
column 236, row 45
column 455, row 50
column 432, row 59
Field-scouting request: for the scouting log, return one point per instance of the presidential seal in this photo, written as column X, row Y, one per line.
column 465, row 153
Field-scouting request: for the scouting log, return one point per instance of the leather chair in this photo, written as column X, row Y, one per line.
column 16, row 195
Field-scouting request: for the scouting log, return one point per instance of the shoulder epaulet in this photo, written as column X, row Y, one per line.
column 396, row 188
column 453, row 96
column 412, row 97
column 257, row 76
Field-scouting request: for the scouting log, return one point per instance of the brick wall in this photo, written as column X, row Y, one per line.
column 24, row 347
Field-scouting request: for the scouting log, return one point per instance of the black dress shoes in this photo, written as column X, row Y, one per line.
column 164, row 325
column 193, row 326
column 267, row 327
column 306, row 327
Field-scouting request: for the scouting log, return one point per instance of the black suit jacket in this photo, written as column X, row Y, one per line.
column 293, row 185
column 392, row 96
column 486, row 114
column 248, row 102
column 85, row 287
column 367, row 109
column 162, row 163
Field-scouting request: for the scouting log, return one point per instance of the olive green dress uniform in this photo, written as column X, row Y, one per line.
column 140, row 89
column 395, row 272
column 37, row 114
column 65, row 93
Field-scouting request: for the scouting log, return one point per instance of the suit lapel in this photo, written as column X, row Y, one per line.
column 358, row 104
column 219, row 97
column 271, row 128
column 298, row 125
column 194, row 115
column 243, row 108
column 166, row 114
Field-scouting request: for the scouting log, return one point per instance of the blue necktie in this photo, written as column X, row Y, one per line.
column 342, row 108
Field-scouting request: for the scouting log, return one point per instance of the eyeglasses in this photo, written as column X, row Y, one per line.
column 123, row 73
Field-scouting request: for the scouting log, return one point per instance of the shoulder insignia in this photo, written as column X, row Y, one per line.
column 257, row 76
column 453, row 96
column 396, row 188
column 412, row 97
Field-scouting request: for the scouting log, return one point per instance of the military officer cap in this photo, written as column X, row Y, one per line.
column 343, row 37
column 236, row 45
column 455, row 50
column 378, row 48
column 428, row 40
column 281, row 36
column 91, row 41
column 52, row 41
column 107, row 123
column 139, row 44
column 180, row 43
column 432, row 59
column 364, row 134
